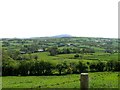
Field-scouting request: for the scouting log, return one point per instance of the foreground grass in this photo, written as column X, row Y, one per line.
column 0, row 82
column 96, row 80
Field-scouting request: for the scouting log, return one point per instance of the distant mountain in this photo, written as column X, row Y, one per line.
column 62, row 35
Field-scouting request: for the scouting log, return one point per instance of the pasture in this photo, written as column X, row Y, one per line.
column 96, row 80
column 70, row 57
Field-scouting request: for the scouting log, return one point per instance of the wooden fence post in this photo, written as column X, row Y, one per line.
column 84, row 81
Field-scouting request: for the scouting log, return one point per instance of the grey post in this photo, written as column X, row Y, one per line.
column 84, row 81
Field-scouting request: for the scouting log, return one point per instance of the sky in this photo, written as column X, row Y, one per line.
column 39, row 18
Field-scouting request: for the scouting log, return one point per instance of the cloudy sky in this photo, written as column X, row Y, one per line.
column 38, row 18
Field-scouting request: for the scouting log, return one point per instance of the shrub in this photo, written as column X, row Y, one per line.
column 76, row 55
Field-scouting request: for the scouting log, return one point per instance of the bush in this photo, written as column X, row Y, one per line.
column 82, row 67
column 76, row 55
column 92, row 67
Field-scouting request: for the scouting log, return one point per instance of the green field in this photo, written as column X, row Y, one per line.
column 96, row 80
column 45, row 62
column 70, row 57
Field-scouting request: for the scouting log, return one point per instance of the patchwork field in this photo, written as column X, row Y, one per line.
column 46, row 62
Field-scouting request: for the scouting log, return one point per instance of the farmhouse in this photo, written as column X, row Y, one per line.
column 40, row 50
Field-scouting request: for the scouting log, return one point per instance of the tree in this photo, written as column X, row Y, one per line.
column 100, row 66
column 109, row 65
column 66, row 50
column 92, row 67
column 10, row 68
column 72, row 68
column 117, row 66
column 82, row 67
column 13, row 53
column 35, row 57
column 113, row 65
column 39, row 67
column 48, row 68
column 60, row 68
column 24, row 68
column 53, row 51
column 8, row 64
column 69, row 70
column 31, row 69
column 43, row 68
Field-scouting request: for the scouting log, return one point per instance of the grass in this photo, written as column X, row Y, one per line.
column 96, row 80
column 70, row 57
column 0, row 83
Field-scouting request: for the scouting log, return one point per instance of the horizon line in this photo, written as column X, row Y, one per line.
column 55, row 36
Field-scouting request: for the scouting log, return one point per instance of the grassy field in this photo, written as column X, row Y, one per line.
column 96, row 80
column 70, row 57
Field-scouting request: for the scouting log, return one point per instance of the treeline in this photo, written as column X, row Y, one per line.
column 37, row 67
column 54, row 50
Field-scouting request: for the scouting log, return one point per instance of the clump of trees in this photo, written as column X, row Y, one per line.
column 25, row 68
column 99, row 66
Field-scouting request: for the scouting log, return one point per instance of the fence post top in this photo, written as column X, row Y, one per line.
column 84, row 73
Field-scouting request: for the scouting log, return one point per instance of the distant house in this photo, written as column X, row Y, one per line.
column 70, row 44
column 22, row 52
column 40, row 50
